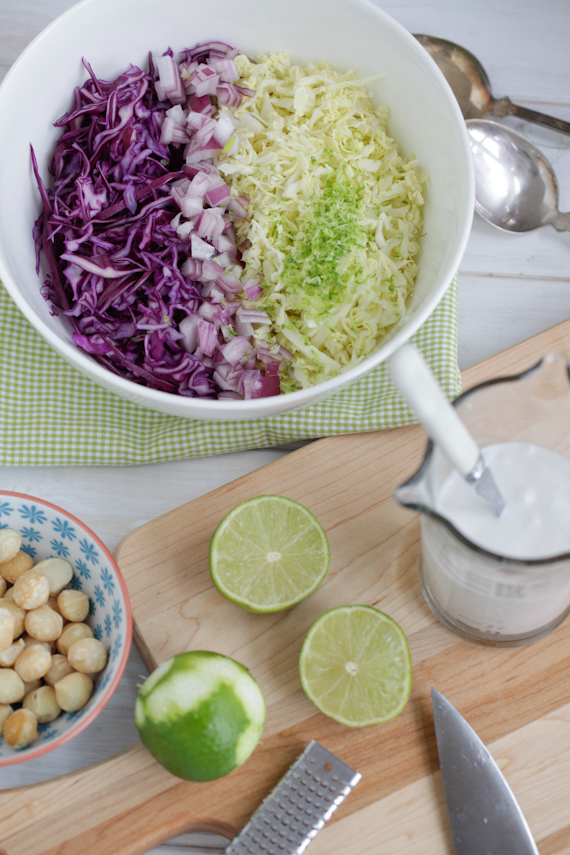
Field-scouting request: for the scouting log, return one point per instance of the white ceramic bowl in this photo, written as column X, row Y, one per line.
column 50, row 532
column 110, row 34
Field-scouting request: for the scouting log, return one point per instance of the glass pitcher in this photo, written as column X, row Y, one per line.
column 483, row 596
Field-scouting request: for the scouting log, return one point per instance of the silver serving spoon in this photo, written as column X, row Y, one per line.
column 470, row 84
column 515, row 185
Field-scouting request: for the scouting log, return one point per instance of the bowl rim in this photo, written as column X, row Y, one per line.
column 255, row 408
column 110, row 690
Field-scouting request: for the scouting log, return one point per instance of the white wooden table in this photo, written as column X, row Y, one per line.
column 510, row 287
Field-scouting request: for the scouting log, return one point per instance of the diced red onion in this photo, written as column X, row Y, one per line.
column 192, row 268
column 200, row 105
column 177, row 114
column 243, row 327
column 225, row 244
column 235, row 349
column 200, row 249
column 197, row 120
column 237, row 208
column 228, row 377
column 205, row 81
column 227, row 95
column 199, row 185
column 226, row 69
column 189, row 329
column 207, row 337
column 205, row 133
column 253, row 316
column 229, row 283
column 228, row 396
column 195, row 153
column 210, row 270
column 170, row 80
column 252, row 289
column 214, row 293
column 208, row 312
column 225, row 127
column 254, row 383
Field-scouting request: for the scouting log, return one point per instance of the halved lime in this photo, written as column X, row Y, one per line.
column 355, row 666
column 200, row 714
column 268, row 553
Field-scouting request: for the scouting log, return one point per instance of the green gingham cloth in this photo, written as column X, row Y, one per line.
column 52, row 415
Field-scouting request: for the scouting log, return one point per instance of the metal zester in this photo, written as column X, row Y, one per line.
column 297, row 808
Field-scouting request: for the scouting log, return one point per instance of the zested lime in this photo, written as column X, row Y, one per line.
column 200, row 714
column 355, row 666
column 268, row 553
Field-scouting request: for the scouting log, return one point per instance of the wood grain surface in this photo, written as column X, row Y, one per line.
column 518, row 699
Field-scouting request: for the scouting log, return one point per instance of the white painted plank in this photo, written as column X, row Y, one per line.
column 498, row 312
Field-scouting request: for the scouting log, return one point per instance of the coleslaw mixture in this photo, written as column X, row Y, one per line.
column 218, row 227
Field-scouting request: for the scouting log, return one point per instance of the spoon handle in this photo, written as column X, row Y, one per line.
column 561, row 222
column 414, row 380
column 505, row 107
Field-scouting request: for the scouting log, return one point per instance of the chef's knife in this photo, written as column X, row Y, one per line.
column 484, row 815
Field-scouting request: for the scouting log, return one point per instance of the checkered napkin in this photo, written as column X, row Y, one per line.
column 52, row 415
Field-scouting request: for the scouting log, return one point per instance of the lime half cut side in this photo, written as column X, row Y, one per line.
column 268, row 554
column 355, row 666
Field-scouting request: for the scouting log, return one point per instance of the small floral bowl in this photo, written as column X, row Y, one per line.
column 48, row 531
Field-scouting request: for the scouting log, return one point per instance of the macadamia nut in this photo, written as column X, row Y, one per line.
column 31, row 686
column 10, row 542
column 58, row 571
column 29, row 641
column 39, row 615
column 72, row 632
column 52, row 603
column 43, row 623
column 31, row 590
column 43, row 703
column 5, row 711
column 13, row 569
column 87, row 655
column 58, row 669
column 7, row 625
column 32, row 663
column 73, row 692
column 17, row 613
column 9, row 656
column 21, row 728
column 11, row 686
column 73, row 605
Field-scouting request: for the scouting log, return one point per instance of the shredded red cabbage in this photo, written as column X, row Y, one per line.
column 137, row 230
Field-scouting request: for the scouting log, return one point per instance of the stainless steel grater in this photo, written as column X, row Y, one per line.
column 297, row 808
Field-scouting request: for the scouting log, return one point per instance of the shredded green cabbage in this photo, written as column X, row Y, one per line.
column 336, row 214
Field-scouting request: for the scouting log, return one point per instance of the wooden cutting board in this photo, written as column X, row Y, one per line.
column 517, row 699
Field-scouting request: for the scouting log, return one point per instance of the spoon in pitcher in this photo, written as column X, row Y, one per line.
column 472, row 88
column 515, row 186
column 412, row 377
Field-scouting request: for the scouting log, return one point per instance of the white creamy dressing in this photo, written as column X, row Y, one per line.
column 535, row 484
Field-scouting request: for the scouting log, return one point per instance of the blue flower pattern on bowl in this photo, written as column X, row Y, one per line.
column 47, row 533
column 59, row 548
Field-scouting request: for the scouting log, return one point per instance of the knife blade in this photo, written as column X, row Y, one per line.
column 484, row 816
